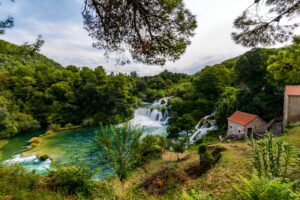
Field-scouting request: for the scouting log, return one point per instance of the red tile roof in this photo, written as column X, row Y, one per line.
column 292, row 90
column 242, row 118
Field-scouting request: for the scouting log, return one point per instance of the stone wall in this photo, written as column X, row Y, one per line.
column 293, row 108
column 235, row 130
column 238, row 131
column 258, row 126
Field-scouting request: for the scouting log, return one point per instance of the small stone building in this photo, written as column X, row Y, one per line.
column 291, row 111
column 242, row 125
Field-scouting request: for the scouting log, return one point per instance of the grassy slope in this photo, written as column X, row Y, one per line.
column 3, row 142
column 219, row 181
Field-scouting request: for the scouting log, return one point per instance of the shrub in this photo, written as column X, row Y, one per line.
column 120, row 148
column 54, row 127
column 35, row 140
column 271, row 157
column 198, row 195
column 209, row 157
column 69, row 125
column 72, row 180
column 264, row 188
column 14, row 178
column 88, row 122
column 105, row 191
column 152, row 147
column 202, row 149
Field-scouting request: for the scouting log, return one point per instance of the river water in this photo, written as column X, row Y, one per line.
column 78, row 147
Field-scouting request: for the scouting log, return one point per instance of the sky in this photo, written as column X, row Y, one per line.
column 61, row 25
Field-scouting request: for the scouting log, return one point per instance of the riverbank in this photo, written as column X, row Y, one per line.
column 219, row 182
column 43, row 145
column 3, row 142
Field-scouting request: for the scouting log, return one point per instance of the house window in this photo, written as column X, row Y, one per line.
column 230, row 127
column 239, row 131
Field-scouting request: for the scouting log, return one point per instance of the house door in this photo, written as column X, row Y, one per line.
column 250, row 132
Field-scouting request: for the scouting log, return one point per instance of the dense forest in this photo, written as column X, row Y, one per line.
column 38, row 92
column 253, row 82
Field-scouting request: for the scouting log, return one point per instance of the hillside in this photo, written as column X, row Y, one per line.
column 13, row 55
column 236, row 161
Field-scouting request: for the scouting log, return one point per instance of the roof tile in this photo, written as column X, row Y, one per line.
column 242, row 118
column 292, row 90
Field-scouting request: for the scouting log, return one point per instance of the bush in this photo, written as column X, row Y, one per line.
column 209, row 157
column 69, row 125
column 263, row 188
column 151, row 147
column 88, row 122
column 271, row 157
column 202, row 149
column 54, row 127
column 72, row 180
column 198, row 195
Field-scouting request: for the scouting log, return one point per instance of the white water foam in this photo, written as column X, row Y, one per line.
column 203, row 127
column 32, row 163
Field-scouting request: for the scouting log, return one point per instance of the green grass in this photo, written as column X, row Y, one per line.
column 3, row 142
column 236, row 160
column 292, row 136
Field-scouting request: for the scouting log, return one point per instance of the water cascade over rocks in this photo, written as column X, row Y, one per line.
column 153, row 117
column 206, row 124
column 32, row 163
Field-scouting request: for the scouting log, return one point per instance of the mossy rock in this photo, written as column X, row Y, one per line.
column 35, row 140
column 43, row 157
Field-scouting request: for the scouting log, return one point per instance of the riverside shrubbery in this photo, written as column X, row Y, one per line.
column 209, row 156
column 271, row 160
column 264, row 188
column 271, row 156
column 152, row 147
column 72, row 180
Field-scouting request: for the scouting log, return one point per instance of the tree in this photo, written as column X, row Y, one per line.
column 257, row 28
column 226, row 105
column 152, row 31
column 284, row 67
column 6, row 23
column 35, row 47
column 212, row 80
column 251, row 68
column 178, row 145
column 120, row 146
column 152, row 147
column 185, row 123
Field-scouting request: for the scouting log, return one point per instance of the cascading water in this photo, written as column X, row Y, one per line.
column 205, row 124
column 32, row 163
column 153, row 117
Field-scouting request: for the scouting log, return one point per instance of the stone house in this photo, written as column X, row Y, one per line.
column 291, row 111
column 242, row 125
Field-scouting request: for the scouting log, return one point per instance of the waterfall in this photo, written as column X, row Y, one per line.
column 205, row 124
column 32, row 163
column 152, row 114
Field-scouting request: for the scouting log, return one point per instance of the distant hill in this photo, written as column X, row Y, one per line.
column 11, row 54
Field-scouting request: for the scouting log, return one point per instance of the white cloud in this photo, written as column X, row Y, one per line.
column 68, row 43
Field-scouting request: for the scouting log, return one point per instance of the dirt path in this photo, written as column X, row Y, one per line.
column 171, row 156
